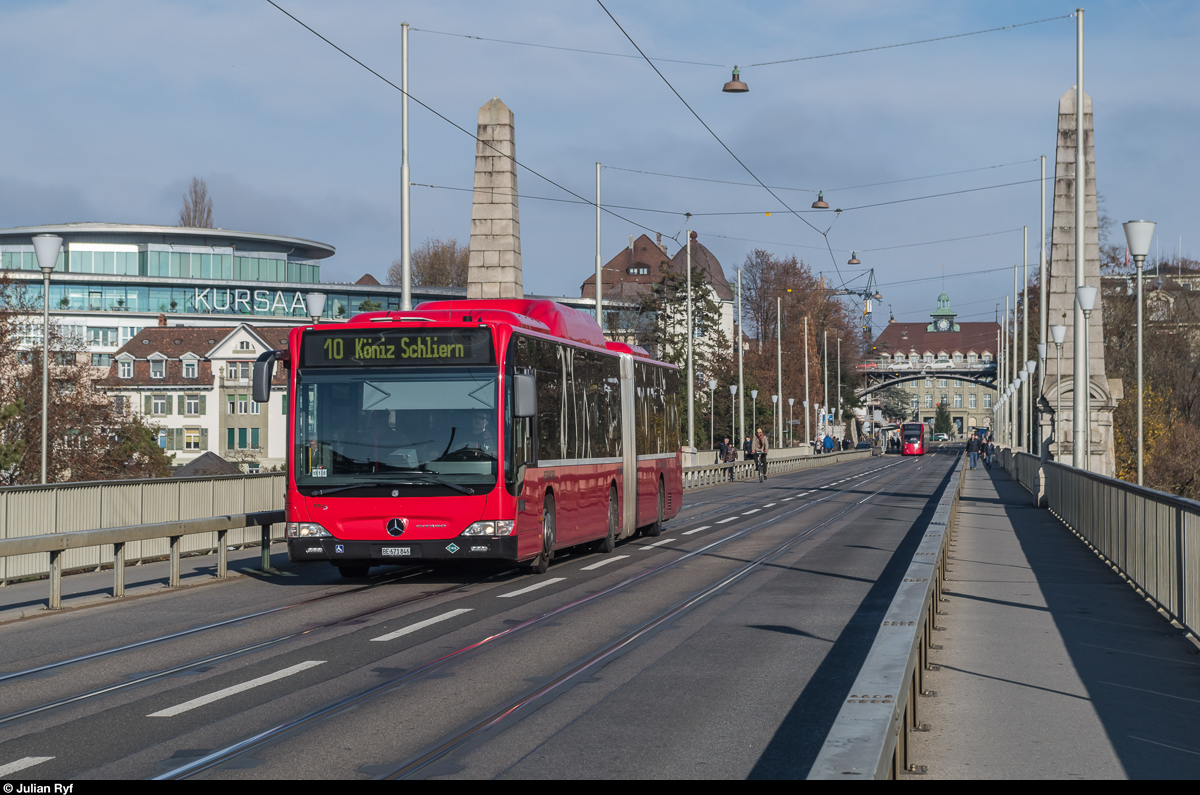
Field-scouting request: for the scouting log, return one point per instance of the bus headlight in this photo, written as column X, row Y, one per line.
column 307, row 530
column 501, row 528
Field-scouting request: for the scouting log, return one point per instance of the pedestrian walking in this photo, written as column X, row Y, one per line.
column 973, row 450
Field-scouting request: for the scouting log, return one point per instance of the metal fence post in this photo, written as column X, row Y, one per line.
column 266, row 547
column 119, row 569
column 173, row 580
column 222, row 554
column 56, row 579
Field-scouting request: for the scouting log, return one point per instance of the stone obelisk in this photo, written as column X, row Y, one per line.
column 1104, row 393
column 495, row 264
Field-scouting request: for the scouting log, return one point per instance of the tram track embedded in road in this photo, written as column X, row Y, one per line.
column 281, row 731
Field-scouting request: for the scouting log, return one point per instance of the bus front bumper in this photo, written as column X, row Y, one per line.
column 462, row 548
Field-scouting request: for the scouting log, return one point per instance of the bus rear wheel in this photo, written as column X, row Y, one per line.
column 609, row 542
column 656, row 528
column 541, row 563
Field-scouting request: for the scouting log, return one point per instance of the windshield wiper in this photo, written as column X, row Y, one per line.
column 426, row 479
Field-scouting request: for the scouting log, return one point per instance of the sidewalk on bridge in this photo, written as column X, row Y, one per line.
column 82, row 589
column 1051, row 665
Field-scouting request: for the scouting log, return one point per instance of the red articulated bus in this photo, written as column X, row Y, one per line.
column 463, row 430
column 912, row 435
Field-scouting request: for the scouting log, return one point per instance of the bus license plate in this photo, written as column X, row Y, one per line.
column 397, row 552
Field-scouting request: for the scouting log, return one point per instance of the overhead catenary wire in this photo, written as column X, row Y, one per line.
column 909, row 43
column 745, row 66
column 453, row 124
column 716, row 137
column 816, row 190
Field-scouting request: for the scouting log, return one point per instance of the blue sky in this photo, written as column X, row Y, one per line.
column 112, row 107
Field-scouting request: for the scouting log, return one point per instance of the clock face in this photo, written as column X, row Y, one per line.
column 943, row 324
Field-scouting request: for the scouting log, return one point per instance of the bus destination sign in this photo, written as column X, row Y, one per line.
column 397, row 348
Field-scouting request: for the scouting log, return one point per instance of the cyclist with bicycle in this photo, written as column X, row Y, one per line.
column 759, row 451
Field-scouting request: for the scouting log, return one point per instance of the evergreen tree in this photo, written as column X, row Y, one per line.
column 941, row 421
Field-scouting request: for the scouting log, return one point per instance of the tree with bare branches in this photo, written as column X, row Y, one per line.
column 89, row 437
column 197, row 206
column 435, row 263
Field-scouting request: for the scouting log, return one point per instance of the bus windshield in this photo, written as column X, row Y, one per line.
column 912, row 433
column 411, row 426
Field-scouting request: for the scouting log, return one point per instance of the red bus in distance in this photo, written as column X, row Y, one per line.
column 498, row 430
column 912, row 438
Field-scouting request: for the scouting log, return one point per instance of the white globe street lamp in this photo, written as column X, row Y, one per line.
column 47, row 248
column 1138, row 235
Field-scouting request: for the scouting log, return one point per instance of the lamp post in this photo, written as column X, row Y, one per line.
column 691, row 378
column 753, row 411
column 1138, row 235
column 712, row 410
column 1085, row 297
column 779, row 359
column 1037, row 403
column 740, row 383
column 790, row 431
column 733, row 435
column 774, row 418
column 807, row 440
column 315, row 302
column 47, row 248
column 406, row 183
column 1030, row 369
column 807, row 396
column 1058, row 333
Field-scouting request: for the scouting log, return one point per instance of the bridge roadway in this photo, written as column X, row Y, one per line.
column 722, row 649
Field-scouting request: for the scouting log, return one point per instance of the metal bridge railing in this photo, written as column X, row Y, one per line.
column 703, row 476
column 869, row 737
column 98, row 524
column 1149, row 537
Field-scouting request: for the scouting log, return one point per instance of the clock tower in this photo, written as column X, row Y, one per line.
column 943, row 316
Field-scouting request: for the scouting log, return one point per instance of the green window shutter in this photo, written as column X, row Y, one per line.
column 149, row 404
column 168, row 405
column 254, row 438
column 171, row 439
column 284, row 402
column 203, row 436
column 229, row 439
column 241, row 438
column 202, row 408
column 183, row 404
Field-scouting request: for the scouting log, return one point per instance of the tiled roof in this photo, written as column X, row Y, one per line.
column 176, row 341
column 908, row 337
column 616, row 277
column 706, row 261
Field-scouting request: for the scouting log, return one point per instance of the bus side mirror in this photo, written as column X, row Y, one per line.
column 524, row 395
column 264, row 371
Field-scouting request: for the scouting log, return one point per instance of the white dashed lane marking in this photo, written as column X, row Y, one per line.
column 422, row 624
column 658, row 543
column 752, row 510
column 697, row 530
column 723, row 521
column 21, row 764
column 769, row 505
column 541, row 584
column 604, row 562
column 186, row 706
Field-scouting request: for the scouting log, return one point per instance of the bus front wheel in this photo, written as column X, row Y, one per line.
column 542, row 562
